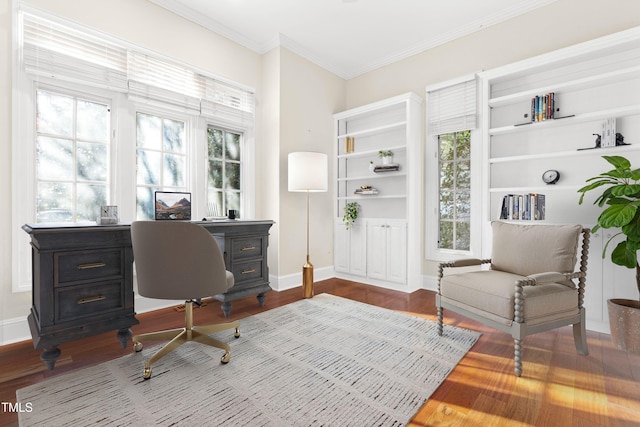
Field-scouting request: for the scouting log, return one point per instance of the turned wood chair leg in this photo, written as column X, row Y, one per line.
column 440, row 313
column 580, row 338
column 517, row 347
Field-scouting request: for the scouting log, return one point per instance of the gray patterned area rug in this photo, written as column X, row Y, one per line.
column 323, row 361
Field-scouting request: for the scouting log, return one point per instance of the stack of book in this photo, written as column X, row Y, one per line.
column 386, row 168
column 608, row 133
column 543, row 107
column 366, row 190
column 523, row 206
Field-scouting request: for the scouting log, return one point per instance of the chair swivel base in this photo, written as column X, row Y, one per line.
column 179, row 336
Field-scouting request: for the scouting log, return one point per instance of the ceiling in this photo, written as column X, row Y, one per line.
column 348, row 37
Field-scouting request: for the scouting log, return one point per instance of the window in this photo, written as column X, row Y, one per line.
column 161, row 161
column 224, row 171
column 454, row 190
column 72, row 157
column 453, row 220
column 97, row 120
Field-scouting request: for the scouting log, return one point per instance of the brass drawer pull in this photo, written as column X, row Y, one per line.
column 91, row 265
column 91, row 299
column 253, row 270
column 248, row 248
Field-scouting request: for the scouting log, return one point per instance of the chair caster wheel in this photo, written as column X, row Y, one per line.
column 147, row 373
column 225, row 359
column 237, row 333
column 137, row 346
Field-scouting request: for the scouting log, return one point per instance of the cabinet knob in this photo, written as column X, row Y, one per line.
column 253, row 270
column 248, row 248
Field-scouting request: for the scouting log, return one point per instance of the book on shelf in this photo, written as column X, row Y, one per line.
column 365, row 192
column 386, row 168
column 543, row 107
column 608, row 137
column 527, row 207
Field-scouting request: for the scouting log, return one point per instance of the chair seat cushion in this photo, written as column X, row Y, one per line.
column 491, row 293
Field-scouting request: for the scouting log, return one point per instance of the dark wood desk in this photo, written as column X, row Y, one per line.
column 83, row 277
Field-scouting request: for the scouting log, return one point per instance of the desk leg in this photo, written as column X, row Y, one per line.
column 261, row 297
column 49, row 356
column 124, row 335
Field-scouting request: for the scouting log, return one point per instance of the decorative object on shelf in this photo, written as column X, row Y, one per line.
column 619, row 140
column 621, row 196
column 351, row 210
column 366, row 190
column 386, row 156
column 391, row 167
column 372, row 166
column 349, row 144
column 108, row 215
column 308, row 172
column 527, row 207
column 551, row 176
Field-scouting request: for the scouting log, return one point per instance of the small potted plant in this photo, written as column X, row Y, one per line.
column 621, row 195
column 350, row 213
column 386, row 156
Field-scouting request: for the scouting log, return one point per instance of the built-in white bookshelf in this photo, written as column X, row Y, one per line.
column 591, row 82
column 383, row 247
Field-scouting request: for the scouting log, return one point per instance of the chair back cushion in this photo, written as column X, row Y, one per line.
column 177, row 260
column 528, row 249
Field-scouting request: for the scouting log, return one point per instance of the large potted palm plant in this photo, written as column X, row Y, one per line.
column 621, row 196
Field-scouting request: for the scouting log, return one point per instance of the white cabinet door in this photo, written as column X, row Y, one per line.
column 350, row 252
column 358, row 250
column 377, row 249
column 341, row 248
column 387, row 250
column 397, row 251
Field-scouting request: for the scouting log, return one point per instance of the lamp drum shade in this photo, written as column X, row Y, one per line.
column 308, row 171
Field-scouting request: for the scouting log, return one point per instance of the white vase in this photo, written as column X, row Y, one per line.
column 387, row 160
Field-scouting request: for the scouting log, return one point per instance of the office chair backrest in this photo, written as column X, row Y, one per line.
column 176, row 260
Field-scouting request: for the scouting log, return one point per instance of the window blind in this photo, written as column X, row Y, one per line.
column 58, row 51
column 153, row 79
column 452, row 108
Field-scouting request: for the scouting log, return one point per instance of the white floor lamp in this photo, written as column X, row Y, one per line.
column 308, row 172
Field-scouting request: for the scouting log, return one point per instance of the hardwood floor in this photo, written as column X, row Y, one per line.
column 558, row 387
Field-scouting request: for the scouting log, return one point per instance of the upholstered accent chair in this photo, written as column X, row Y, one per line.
column 179, row 261
column 529, row 285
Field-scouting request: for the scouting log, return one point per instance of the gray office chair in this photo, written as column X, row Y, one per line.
column 529, row 287
column 179, row 260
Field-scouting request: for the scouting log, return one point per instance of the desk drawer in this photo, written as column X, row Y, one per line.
column 247, row 271
column 88, row 300
column 246, row 247
column 75, row 267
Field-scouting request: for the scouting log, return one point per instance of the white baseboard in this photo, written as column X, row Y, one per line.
column 290, row 281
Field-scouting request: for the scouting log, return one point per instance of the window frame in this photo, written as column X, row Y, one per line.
column 432, row 182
